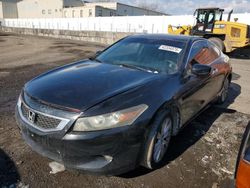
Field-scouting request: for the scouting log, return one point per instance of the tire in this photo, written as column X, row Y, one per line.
column 158, row 140
column 218, row 42
column 224, row 93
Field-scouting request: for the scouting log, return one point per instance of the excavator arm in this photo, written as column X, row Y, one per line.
column 179, row 30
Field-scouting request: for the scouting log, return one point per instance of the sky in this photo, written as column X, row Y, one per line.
column 188, row 6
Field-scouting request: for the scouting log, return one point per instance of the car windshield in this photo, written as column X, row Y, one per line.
column 151, row 55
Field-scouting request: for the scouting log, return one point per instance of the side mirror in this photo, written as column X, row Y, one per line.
column 201, row 70
column 247, row 154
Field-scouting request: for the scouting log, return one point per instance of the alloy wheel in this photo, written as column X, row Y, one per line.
column 162, row 140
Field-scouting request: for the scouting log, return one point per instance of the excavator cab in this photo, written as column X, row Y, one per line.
column 205, row 19
column 227, row 35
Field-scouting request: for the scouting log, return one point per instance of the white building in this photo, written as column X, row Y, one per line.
column 68, row 9
column 1, row 9
column 126, row 10
column 8, row 9
column 44, row 8
column 88, row 10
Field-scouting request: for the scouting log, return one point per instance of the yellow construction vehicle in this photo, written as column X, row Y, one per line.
column 226, row 35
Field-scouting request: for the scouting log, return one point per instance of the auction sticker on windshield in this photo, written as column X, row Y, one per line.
column 170, row 48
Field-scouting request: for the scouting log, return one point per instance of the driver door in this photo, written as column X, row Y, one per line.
column 197, row 90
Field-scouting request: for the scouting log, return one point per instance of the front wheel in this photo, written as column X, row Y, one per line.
column 158, row 141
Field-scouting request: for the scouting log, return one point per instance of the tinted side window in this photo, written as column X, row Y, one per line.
column 202, row 53
column 206, row 56
column 214, row 48
column 195, row 49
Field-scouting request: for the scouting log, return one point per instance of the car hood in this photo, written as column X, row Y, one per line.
column 83, row 84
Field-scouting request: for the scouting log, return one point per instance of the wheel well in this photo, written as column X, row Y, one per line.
column 168, row 107
column 175, row 113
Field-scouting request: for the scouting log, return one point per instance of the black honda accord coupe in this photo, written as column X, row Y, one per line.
column 119, row 109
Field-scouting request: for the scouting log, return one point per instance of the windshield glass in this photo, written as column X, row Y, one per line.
column 152, row 55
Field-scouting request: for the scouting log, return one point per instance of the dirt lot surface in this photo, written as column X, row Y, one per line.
column 202, row 155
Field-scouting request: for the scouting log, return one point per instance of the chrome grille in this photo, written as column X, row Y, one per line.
column 41, row 121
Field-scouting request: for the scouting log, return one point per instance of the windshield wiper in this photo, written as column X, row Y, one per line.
column 138, row 68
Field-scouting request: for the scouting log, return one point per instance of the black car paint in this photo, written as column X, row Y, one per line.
column 114, row 88
column 67, row 86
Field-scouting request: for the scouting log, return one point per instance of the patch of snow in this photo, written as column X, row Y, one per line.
column 56, row 167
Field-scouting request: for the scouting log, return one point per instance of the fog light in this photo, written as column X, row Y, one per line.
column 97, row 162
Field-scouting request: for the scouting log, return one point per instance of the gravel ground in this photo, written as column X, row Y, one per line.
column 202, row 155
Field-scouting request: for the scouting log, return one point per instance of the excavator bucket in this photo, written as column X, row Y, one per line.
column 179, row 30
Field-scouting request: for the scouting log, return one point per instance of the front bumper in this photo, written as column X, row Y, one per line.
column 110, row 152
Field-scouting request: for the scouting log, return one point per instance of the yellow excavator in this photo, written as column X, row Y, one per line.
column 227, row 35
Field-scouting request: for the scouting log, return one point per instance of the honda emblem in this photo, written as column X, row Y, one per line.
column 31, row 116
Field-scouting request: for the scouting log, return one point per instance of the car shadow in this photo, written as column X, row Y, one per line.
column 192, row 132
column 235, row 76
column 240, row 53
column 9, row 175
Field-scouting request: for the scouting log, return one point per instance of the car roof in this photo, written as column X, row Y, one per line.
column 181, row 38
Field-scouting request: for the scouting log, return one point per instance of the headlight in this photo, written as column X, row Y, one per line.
column 110, row 120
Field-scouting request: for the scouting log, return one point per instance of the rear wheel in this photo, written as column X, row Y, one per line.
column 158, row 141
column 224, row 93
column 218, row 42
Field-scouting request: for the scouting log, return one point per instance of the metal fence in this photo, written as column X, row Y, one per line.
column 136, row 24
